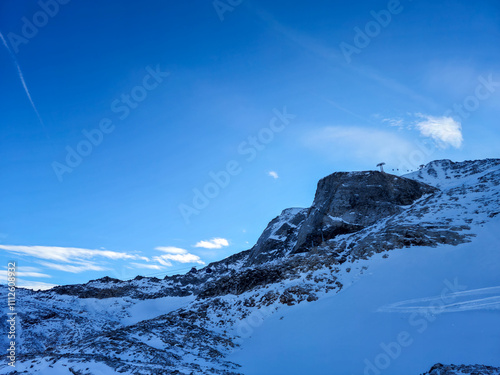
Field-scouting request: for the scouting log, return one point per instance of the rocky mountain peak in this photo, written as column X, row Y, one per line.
column 346, row 202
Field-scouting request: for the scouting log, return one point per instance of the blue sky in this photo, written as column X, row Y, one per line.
column 116, row 115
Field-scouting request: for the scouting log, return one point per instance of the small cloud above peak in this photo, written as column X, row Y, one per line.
column 214, row 243
column 444, row 130
column 273, row 174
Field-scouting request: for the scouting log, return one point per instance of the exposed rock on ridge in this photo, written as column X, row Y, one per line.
column 348, row 202
column 279, row 237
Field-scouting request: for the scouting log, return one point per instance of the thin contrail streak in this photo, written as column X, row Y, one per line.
column 21, row 77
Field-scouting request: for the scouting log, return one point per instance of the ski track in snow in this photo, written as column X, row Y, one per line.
column 461, row 301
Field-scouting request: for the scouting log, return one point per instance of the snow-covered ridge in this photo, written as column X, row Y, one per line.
column 445, row 173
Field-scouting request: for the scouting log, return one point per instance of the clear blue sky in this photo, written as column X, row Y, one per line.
column 281, row 93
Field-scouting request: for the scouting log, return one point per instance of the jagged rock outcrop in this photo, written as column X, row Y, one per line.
column 349, row 202
column 279, row 238
column 239, row 283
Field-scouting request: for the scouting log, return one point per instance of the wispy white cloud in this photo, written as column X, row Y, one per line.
column 181, row 258
column 66, row 259
column 66, row 254
column 171, row 250
column 4, row 274
column 444, row 130
column 214, row 243
column 72, row 268
column 28, row 269
column 273, row 174
column 162, row 261
column 175, row 254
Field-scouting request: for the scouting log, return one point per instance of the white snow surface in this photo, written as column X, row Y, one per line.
column 341, row 333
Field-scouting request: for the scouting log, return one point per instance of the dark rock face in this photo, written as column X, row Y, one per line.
column 278, row 238
column 348, row 202
column 242, row 282
column 397, row 235
column 296, row 294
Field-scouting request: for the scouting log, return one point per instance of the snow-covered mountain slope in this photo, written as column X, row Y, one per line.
column 446, row 174
column 344, row 274
column 418, row 307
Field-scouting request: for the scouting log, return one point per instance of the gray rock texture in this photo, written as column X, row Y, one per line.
column 349, row 202
column 279, row 237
